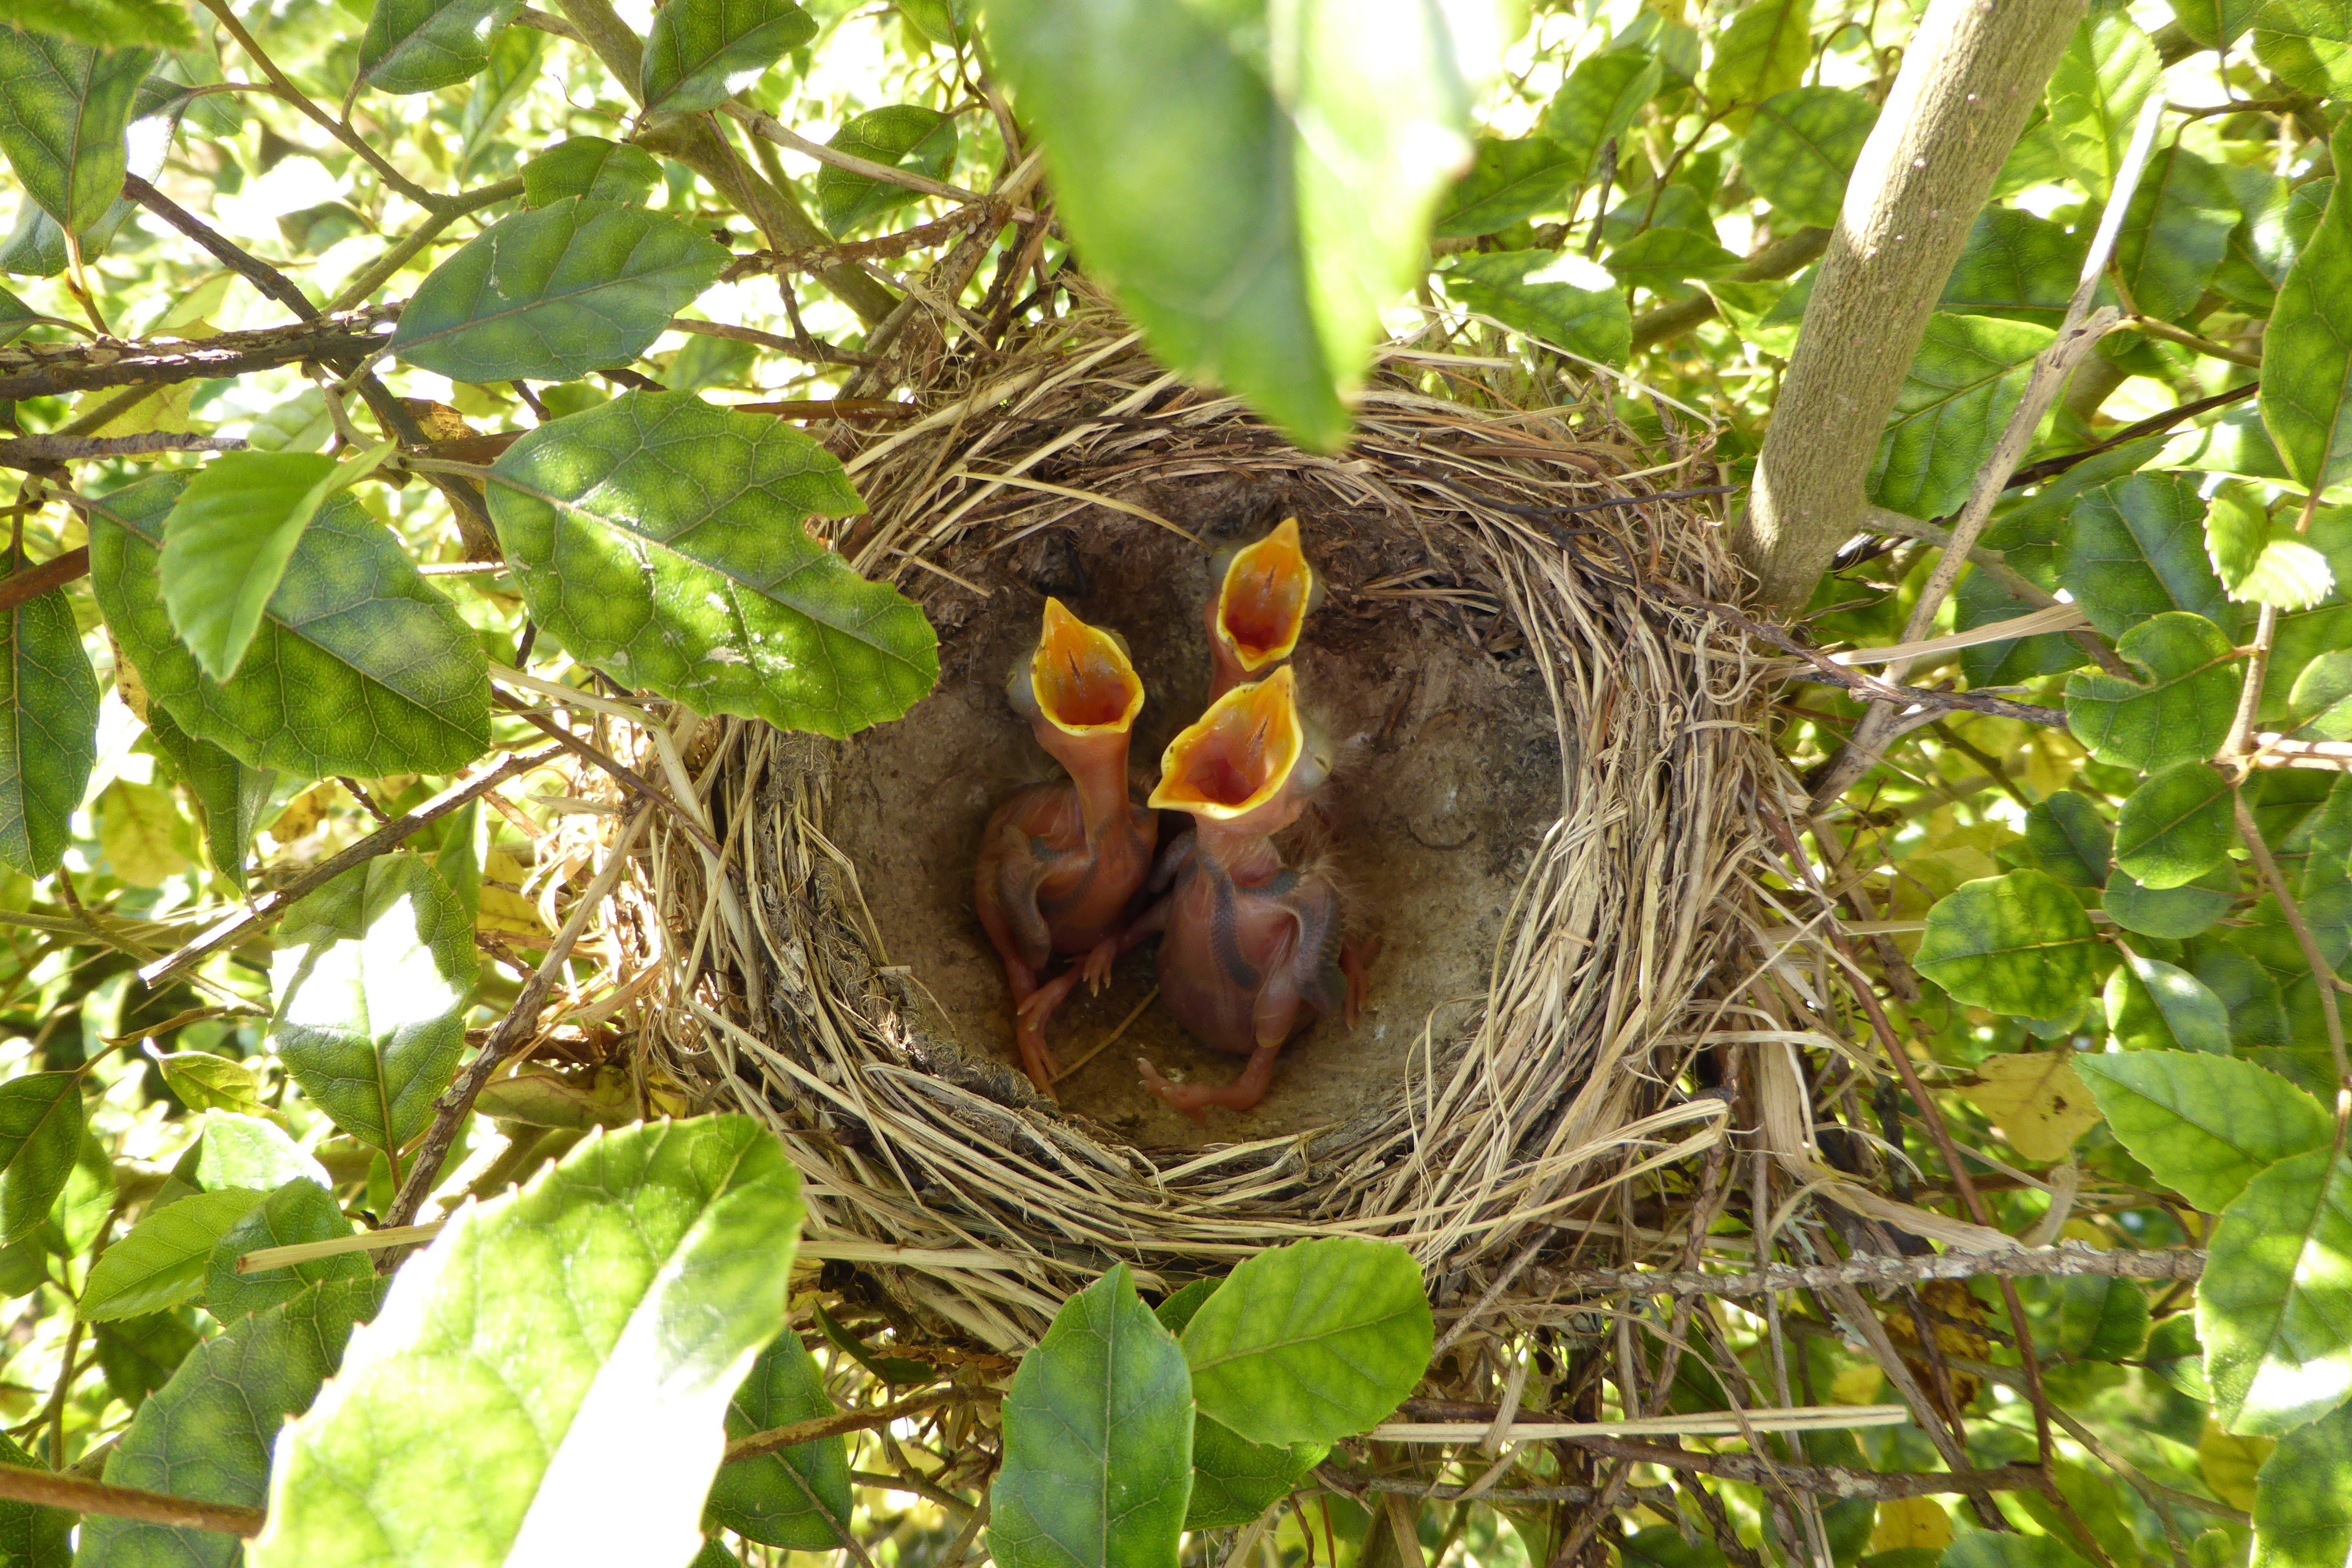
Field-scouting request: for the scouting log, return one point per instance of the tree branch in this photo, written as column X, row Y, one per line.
column 47, row 370
column 2041, row 1262
column 1971, row 75
column 265, row 910
column 34, row 581
column 48, row 1488
column 799, row 1432
column 1775, row 261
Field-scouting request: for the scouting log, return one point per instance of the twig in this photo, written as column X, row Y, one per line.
column 1995, row 566
column 1856, row 680
column 799, row 1432
column 30, row 452
column 377, row 273
column 2051, row 467
column 783, row 135
column 459, row 1101
column 20, row 1483
column 49, row 369
column 1829, row 1480
column 265, row 910
column 36, row 580
column 635, row 782
column 2170, row 333
column 2323, row 973
column 816, row 259
column 269, row 279
column 2069, row 1261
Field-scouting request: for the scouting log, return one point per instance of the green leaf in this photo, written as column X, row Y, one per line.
column 16, row 318
column 2176, row 827
column 240, row 1150
column 699, row 53
column 230, row 798
column 48, row 730
column 2015, row 266
column 1762, row 54
column 2019, row 944
column 415, row 45
column 2306, row 373
column 1660, row 258
column 659, row 537
column 2153, row 1005
column 206, row 1082
column 230, row 538
column 1764, row 314
column 2322, row 698
column 370, row 979
column 1558, row 298
column 590, row 1326
column 2205, row 1125
column 796, row 1498
column 1098, row 1440
column 64, row 112
column 556, row 293
column 2175, row 233
column 32, row 1536
column 1801, row 146
column 2275, row 1307
column 2102, row 78
column 208, row 1434
column 2303, row 1497
column 358, row 668
column 2181, row 712
column 896, row 135
column 1508, row 182
column 1985, row 1549
column 2255, row 567
column 1595, row 105
column 40, row 1133
column 2304, row 44
column 1233, row 1480
column 300, row 424
column 139, row 1355
column 592, row 167
column 107, row 24
column 2099, row 1319
column 1962, row 386
column 1252, row 217
column 161, row 1262
column 2215, row 23
column 1311, row 1342
column 2138, row 550
column 298, row 1212
column 2070, row 839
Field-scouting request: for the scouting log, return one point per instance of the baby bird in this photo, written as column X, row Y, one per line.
column 1252, row 948
column 1264, row 594
column 1060, row 863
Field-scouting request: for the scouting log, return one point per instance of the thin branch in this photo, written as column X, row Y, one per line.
column 2323, row 973
column 1856, row 680
column 2166, row 330
column 1827, row 1480
column 2155, row 425
column 46, row 370
column 377, row 273
column 1996, row 566
column 451, row 1110
column 635, row 782
column 1774, row 262
column 2048, row 1262
column 32, row 452
column 265, row 910
column 779, row 1438
column 885, row 247
column 36, row 580
column 783, row 135
column 809, row 349
column 47, row 1488
column 269, row 279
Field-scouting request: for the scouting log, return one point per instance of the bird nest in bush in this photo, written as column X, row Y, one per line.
column 1543, row 802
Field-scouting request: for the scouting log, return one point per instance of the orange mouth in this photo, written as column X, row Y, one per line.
column 1262, row 605
column 1238, row 755
column 1081, row 676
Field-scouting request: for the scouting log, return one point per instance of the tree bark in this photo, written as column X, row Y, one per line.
column 1972, row 77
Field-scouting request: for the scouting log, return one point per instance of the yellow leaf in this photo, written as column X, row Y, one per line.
column 166, row 410
column 501, row 867
column 2086, row 1233
column 1856, row 1385
column 139, row 828
column 507, row 912
column 302, row 814
column 1912, row 1523
column 2229, row 1463
column 2036, row 1101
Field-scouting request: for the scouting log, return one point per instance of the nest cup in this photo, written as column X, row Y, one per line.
column 1537, row 804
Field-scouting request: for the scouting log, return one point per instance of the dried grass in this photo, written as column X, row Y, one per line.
column 1529, row 1118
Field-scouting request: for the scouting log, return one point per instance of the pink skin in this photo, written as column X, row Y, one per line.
column 1059, row 866
column 1252, row 950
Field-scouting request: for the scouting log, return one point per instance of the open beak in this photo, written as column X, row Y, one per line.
column 1081, row 677
column 1238, row 755
column 1262, row 603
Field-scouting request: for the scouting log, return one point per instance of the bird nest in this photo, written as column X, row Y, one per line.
column 1544, row 803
